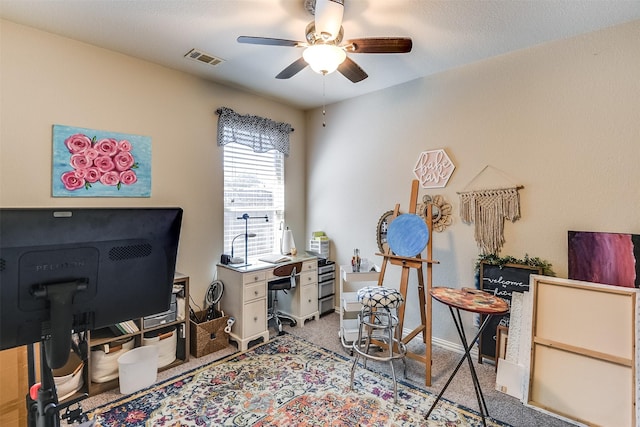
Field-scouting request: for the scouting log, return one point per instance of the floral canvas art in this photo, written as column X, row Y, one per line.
column 94, row 163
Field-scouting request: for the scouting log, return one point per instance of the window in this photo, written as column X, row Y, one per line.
column 254, row 152
column 253, row 184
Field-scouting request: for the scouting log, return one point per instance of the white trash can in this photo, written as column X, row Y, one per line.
column 138, row 368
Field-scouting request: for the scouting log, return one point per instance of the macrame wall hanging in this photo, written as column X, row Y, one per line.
column 487, row 209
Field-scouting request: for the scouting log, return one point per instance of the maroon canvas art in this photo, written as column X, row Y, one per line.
column 608, row 258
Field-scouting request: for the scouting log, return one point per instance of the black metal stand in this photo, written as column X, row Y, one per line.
column 44, row 411
column 457, row 319
column 43, row 408
column 246, row 218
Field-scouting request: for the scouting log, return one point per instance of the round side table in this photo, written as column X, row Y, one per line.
column 474, row 301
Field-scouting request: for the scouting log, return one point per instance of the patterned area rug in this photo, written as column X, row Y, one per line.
column 284, row 382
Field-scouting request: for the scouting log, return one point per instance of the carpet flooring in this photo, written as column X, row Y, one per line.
column 324, row 333
column 284, row 382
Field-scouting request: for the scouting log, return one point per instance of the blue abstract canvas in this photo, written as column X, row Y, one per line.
column 408, row 235
column 95, row 163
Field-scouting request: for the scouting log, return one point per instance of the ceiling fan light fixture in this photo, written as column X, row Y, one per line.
column 324, row 58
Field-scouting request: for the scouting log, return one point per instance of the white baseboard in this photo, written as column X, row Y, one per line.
column 448, row 345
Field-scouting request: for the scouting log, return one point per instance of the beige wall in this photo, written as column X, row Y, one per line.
column 46, row 80
column 561, row 119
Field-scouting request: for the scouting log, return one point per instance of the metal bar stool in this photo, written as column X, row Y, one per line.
column 377, row 317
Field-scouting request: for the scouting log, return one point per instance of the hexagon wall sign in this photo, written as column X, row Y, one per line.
column 434, row 168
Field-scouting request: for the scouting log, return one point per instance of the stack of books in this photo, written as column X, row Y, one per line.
column 124, row 328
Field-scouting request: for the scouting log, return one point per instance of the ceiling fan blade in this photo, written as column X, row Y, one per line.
column 292, row 69
column 379, row 45
column 352, row 71
column 269, row 41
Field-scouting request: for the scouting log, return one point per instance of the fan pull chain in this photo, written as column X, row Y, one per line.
column 324, row 113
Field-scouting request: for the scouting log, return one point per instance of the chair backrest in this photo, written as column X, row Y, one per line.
column 288, row 269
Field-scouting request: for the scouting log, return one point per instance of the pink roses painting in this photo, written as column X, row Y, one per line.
column 100, row 163
column 108, row 161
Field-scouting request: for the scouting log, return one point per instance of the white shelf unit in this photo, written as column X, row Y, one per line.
column 350, row 282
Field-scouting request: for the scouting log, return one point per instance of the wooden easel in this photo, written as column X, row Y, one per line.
column 424, row 297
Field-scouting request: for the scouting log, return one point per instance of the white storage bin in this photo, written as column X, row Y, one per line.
column 166, row 342
column 68, row 379
column 104, row 366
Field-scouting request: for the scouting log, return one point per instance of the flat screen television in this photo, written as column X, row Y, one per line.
column 608, row 258
column 82, row 269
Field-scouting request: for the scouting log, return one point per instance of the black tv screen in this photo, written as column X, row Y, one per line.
column 601, row 257
column 119, row 263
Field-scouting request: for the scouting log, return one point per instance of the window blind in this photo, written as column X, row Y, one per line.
column 253, row 184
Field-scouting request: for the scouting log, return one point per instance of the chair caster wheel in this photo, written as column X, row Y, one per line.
column 293, row 323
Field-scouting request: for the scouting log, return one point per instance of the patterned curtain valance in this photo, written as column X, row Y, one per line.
column 259, row 133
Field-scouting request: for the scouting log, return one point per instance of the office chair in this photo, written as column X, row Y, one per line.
column 288, row 272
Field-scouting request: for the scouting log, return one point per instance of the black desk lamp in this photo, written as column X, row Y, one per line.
column 246, row 235
column 240, row 260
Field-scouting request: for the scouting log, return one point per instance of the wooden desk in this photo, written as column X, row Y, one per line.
column 474, row 301
column 245, row 297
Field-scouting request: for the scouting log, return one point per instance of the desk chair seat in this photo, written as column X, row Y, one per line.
column 288, row 273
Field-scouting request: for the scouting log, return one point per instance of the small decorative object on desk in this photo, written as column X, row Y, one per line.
column 355, row 261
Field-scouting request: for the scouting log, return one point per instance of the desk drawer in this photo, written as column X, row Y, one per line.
column 311, row 265
column 326, row 288
column 326, row 276
column 308, row 278
column 255, row 291
column 255, row 318
column 327, row 268
column 256, row 276
column 308, row 300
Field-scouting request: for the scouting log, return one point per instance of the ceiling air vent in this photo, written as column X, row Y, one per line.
column 198, row 55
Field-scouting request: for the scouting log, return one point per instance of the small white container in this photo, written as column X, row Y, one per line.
column 138, row 369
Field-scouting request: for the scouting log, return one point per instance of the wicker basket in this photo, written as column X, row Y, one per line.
column 209, row 336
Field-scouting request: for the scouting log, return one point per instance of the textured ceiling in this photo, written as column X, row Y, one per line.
column 446, row 34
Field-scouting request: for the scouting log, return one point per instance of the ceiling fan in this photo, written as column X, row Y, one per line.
column 324, row 51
